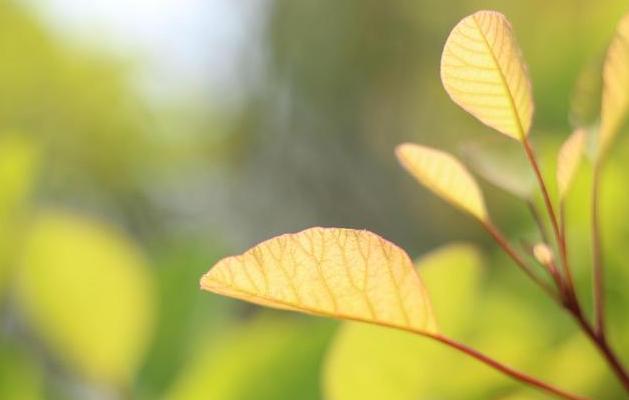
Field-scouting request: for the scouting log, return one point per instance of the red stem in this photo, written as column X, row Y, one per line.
column 602, row 345
column 530, row 154
column 506, row 370
column 510, row 251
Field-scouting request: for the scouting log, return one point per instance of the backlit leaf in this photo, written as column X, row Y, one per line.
column 333, row 272
column 483, row 72
column 568, row 161
column 87, row 292
column 615, row 102
column 445, row 175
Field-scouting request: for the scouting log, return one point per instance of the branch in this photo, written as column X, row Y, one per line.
column 506, row 370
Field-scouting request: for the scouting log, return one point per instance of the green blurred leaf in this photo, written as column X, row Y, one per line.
column 374, row 363
column 87, row 291
column 269, row 358
column 184, row 312
column 20, row 375
column 577, row 366
column 452, row 274
column 502, row 163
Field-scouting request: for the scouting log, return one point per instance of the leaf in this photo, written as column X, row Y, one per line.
column 452, row 274
column 444, row 175
column 502, row 163
column 483, row 72
column 87, row 292
column 615, row 102
column 332, row 272
column 568, row 161
column 370, row 363
column 267, row 358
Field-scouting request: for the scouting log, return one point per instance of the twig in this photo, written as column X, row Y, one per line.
column 510, row 251
column 549, row 207
column 602, row 345
column 506, row 370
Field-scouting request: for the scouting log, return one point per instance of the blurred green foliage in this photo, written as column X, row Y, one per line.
column 111, row 210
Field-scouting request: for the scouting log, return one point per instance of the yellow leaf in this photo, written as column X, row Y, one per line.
column 568, row 161
column 444, row 175
column 483, row 72
column 615, row 101
column 86, row 290
column 333, row 272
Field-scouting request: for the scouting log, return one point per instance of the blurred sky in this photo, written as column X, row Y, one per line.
column 183, row 47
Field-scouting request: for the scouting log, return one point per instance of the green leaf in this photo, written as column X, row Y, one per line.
column 501, row 162
column 268, row 358
column 21, row 376
column 367, row 362
column 86, row 290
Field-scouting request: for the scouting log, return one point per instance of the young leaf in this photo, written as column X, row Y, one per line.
column 568, row 161
column 444, row 175
column 615, row 101
column 483, row 72
column 332, row 272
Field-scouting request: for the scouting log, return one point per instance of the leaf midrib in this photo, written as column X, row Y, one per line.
column 503, row 79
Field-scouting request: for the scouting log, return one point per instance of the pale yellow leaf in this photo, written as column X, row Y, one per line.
column 483, row 72
column 333, row 272
column 568, row 160
column 615, row 102
column 444, row 175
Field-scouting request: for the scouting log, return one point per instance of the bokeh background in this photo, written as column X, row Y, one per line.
column 140, row 141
